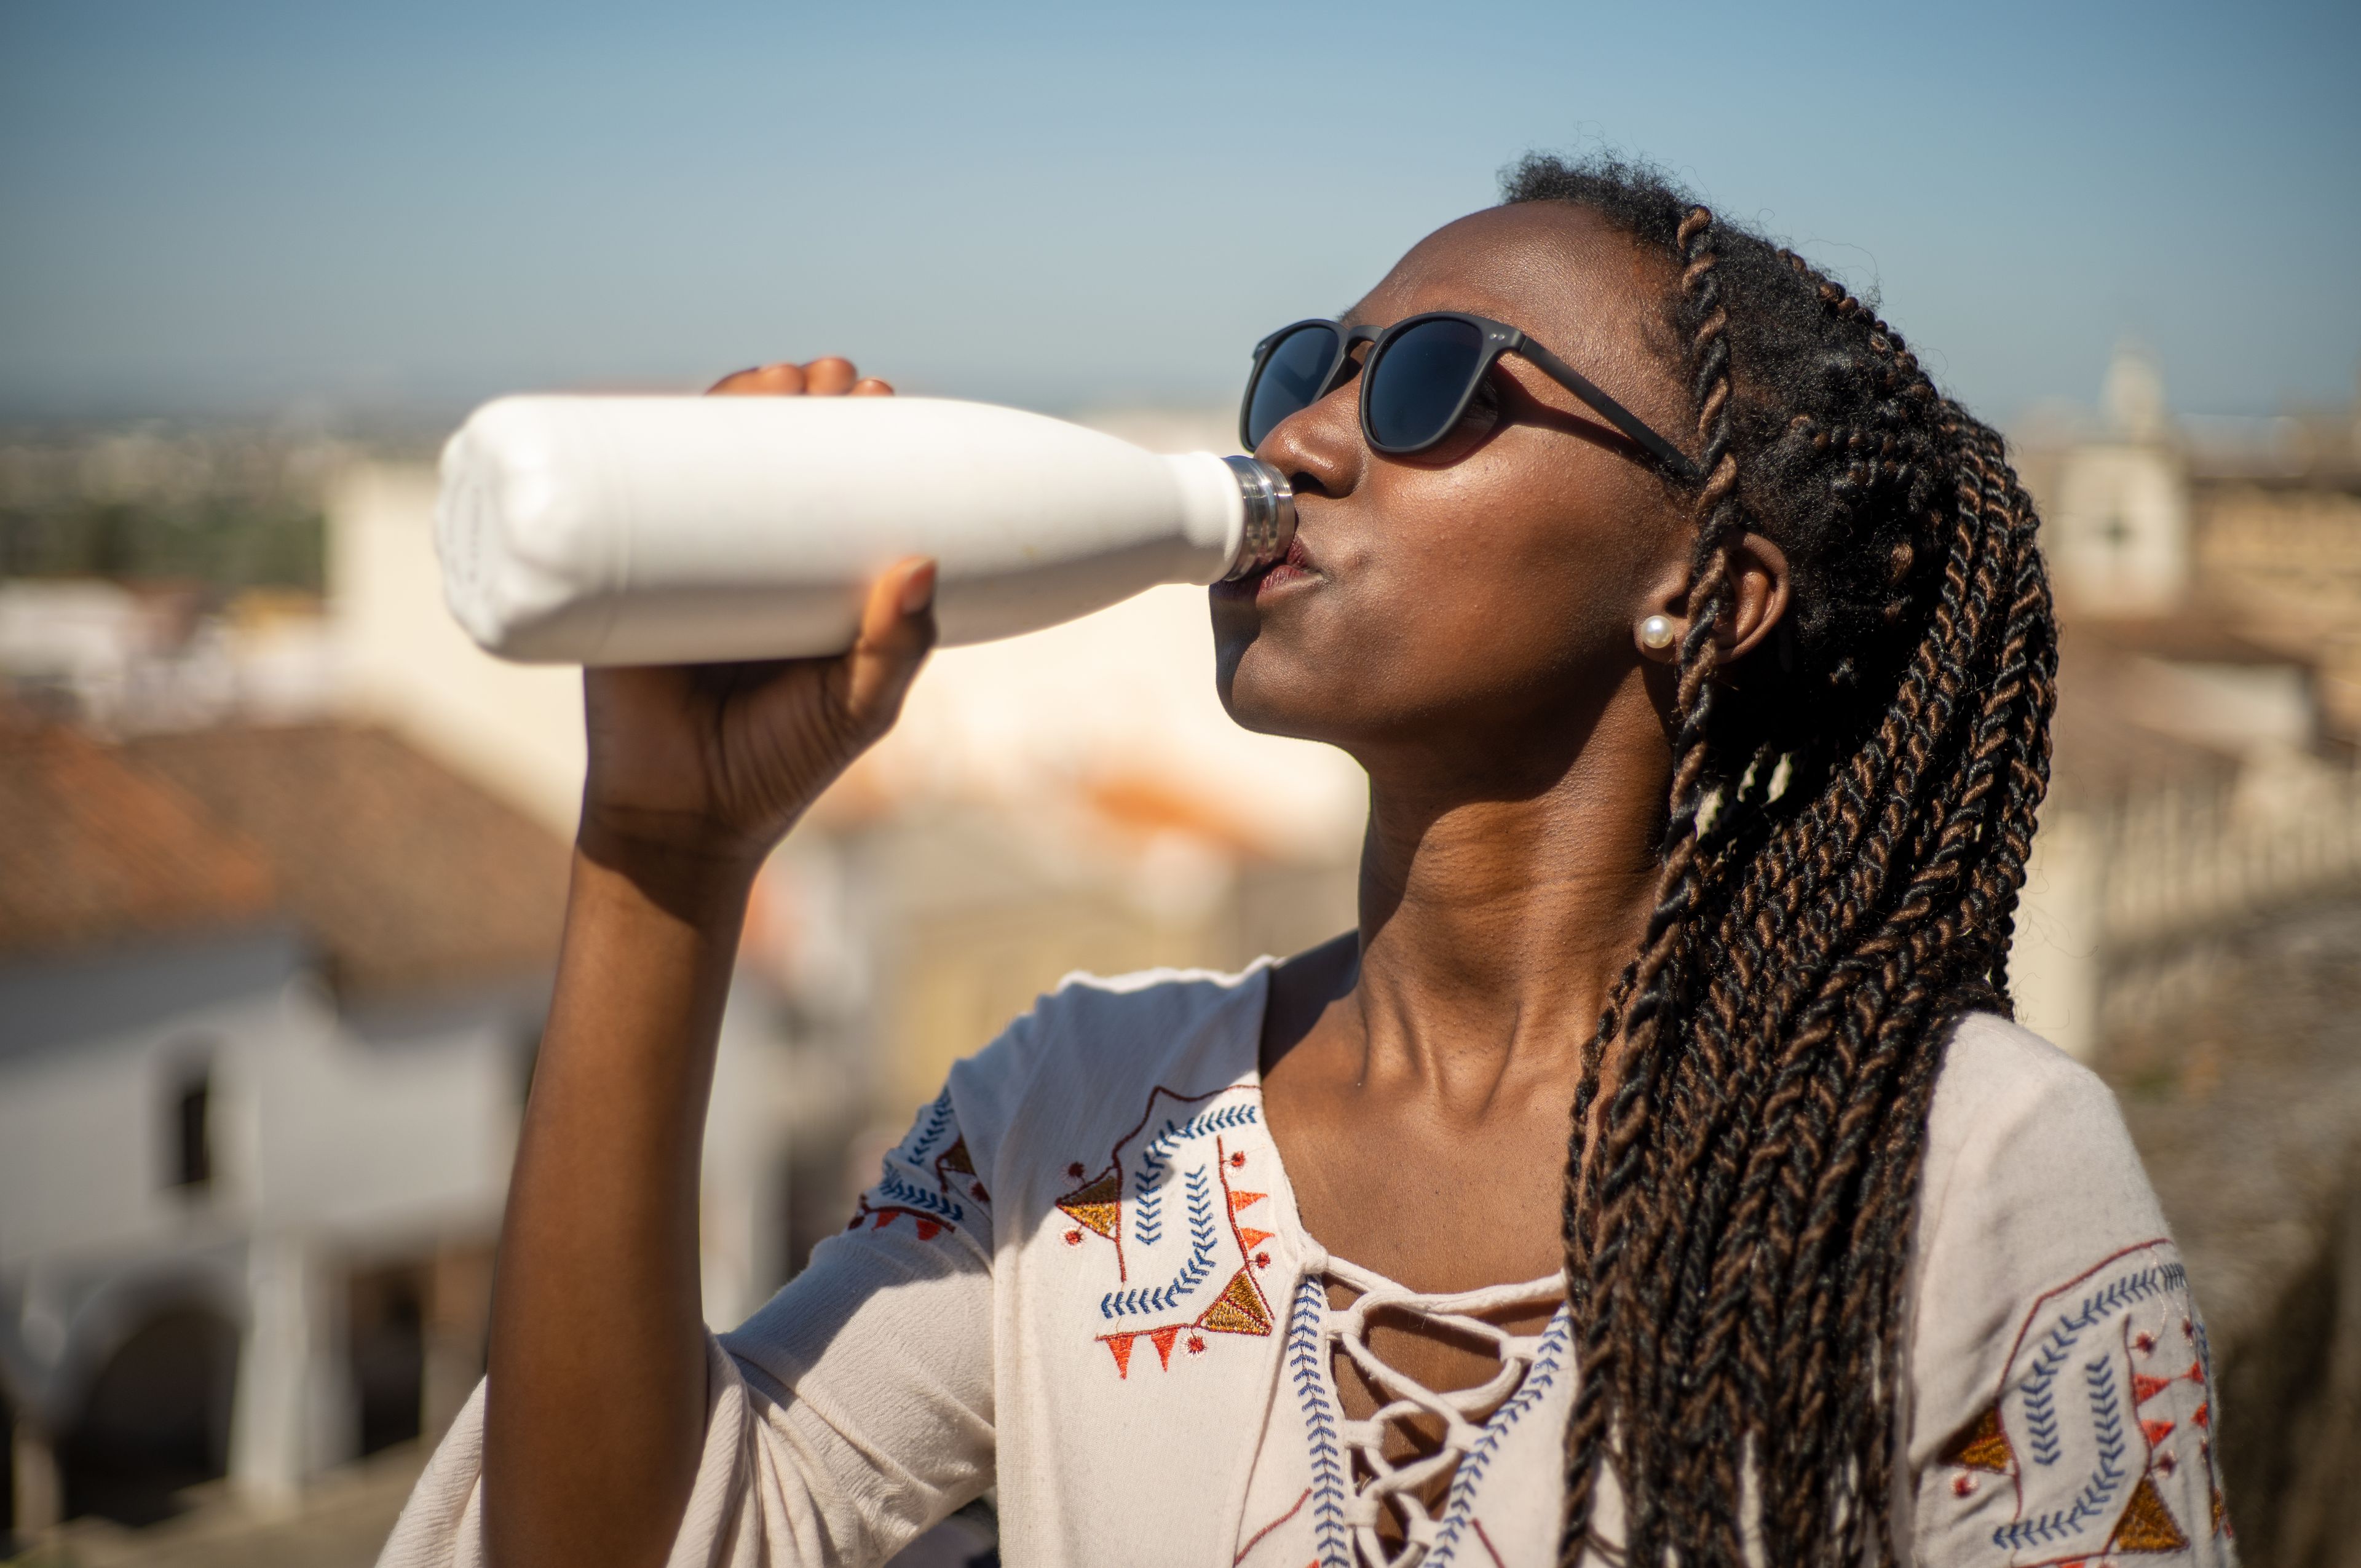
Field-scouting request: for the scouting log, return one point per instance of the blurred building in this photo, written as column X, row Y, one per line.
column 271, row 975
column 268, row 1001
column 125, row 660
column 2192, row 919
column 2208, row 576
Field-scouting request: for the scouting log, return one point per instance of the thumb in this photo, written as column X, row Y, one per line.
column 897, row 628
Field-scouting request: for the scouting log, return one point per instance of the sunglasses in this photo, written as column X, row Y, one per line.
column 1420, row 374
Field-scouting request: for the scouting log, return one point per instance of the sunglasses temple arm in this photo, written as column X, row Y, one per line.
column 1615, row 414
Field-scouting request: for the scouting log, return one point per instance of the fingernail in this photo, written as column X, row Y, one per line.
column 919, row 590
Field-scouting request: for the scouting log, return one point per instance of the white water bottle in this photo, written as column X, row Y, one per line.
column 677, row 530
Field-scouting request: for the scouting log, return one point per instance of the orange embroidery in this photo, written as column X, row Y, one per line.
column 1240, row 1310
column 2147, row 1525
column 879, row 1216
column 1098, row 1206
column 1255, row 1539
column 1980, row 1445
column 2128, row 1292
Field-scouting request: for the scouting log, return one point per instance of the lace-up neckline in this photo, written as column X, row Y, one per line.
column 1471, row 1418
column 1355, row 1484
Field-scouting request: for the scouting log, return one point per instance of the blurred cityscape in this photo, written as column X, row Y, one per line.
column 283, row 858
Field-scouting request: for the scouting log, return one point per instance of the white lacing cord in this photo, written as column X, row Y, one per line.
column 1378, row 1484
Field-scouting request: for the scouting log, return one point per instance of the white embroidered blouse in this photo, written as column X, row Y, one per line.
column 1082, row 1278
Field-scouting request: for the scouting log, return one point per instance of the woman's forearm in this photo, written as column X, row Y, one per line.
column 595, row 1412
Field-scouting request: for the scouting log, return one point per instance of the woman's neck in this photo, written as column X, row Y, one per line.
column 1496, row 912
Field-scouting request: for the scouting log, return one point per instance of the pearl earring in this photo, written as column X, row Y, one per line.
column 1656, row 633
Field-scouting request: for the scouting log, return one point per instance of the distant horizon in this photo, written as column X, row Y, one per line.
column 424, row 418
column 200, row 407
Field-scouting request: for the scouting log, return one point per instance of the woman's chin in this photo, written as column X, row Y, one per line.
column 1293, row 704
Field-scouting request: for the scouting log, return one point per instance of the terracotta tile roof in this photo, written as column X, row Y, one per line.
column 93, row 850
column 406, row 878
column 409, row 878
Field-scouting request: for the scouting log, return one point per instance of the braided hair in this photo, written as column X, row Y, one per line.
column 1851, row 807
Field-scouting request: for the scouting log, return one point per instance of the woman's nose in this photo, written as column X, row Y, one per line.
column 1319, row 448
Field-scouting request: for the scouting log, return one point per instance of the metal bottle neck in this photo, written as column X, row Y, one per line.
column 1270, row 516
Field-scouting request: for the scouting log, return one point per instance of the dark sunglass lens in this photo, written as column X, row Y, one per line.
column 1416, row 386
column 1290, row 378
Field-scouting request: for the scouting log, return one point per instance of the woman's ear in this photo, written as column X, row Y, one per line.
column 1759, row 576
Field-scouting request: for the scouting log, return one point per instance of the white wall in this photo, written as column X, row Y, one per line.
column 743, row 1220
column 85, row 1131
column 377, row 1141
column 2054, row 966
column 514, row 729
column 2119, row 539
column 312, row 1131
column 326, row 1147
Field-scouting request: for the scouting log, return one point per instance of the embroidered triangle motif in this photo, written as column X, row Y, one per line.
column 1162, row 1339
column 956, row 1157
column 1098, row 1206
column 1241, row 1200
column 2147, row 1525
column 1240, row 1310
column 1121, row 1346
column 1980, row 1445
column 1250, row 1238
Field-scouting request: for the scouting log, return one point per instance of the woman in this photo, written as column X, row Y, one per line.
column 1700, row 655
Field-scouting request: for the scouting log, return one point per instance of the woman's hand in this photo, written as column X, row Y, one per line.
column 715, row 761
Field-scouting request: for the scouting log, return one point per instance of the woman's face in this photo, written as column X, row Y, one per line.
column 1492, row 582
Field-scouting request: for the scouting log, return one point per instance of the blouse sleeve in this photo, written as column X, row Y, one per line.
column 848, row 1415
column 2062, row 1395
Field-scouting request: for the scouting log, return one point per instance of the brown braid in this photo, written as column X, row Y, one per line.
column 1738, row 1210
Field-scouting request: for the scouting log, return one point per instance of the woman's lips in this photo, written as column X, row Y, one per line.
column 1295, row 566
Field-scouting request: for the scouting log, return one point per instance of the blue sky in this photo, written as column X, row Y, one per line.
column 236, row 206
